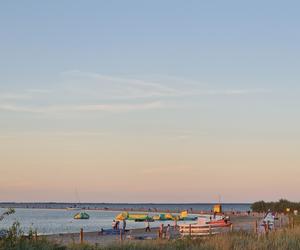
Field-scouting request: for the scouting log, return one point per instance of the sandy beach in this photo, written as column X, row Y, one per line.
column 240, row 222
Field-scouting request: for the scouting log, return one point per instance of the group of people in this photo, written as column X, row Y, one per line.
column 116, row 225
column 164, row 233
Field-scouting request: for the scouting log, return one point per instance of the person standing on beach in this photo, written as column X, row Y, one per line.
column 161, row 231
column 147, row 229
column 101, row 231
column 124, row 225
column 168, row 232
column 117, row 225
column 113, row 225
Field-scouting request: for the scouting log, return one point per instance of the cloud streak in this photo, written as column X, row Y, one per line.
column 83, row 108
column 233, row 92
column 18, row 108
column 112, row 87
column 93, row 84
column 15, row 96
column 79, row 91
column 119, row 107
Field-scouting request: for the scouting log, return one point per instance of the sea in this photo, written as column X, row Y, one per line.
column 54, row 218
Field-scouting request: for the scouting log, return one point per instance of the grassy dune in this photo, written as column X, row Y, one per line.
column 285, row 239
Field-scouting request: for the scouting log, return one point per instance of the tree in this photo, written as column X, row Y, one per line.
column 6, row 213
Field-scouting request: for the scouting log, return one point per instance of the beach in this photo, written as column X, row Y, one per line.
column 57, row 227
column 240, row 222
column 58, row 219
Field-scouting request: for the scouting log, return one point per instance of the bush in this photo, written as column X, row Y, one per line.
column 279, row 206
column 16, row 240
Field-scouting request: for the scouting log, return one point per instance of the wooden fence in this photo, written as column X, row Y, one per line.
column 202, row 230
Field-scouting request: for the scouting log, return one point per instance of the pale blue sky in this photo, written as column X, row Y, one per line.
column 181, row 80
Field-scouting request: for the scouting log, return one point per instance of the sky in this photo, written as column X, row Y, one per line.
column 149, row 101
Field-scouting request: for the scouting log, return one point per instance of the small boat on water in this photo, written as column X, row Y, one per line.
column 73, row 208
column 81, row 216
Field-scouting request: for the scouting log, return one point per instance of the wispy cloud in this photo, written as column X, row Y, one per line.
column 113, row 87
column 25, row 94
column 79, row 91
column 39, row 91
column 232, row 92
column 83, row 108
column 120, row 107
column 19, row 108
column 15, row 96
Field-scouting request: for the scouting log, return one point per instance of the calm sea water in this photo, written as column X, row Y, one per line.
column 50, row 221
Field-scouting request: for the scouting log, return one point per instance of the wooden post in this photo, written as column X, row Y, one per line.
column 81, row 235
column 209, row 228
column 34, row 236
column 190, row 230
column 121, row 234
column 255, row 227
column 293, row 222
column 231, row 228
column 280, row 221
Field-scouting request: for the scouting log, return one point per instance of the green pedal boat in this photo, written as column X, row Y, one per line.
column 81, row 216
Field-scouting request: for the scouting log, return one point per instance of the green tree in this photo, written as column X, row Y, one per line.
column 6, row 213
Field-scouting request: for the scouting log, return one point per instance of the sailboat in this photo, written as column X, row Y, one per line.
column 80, row 215
column 73, row 208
